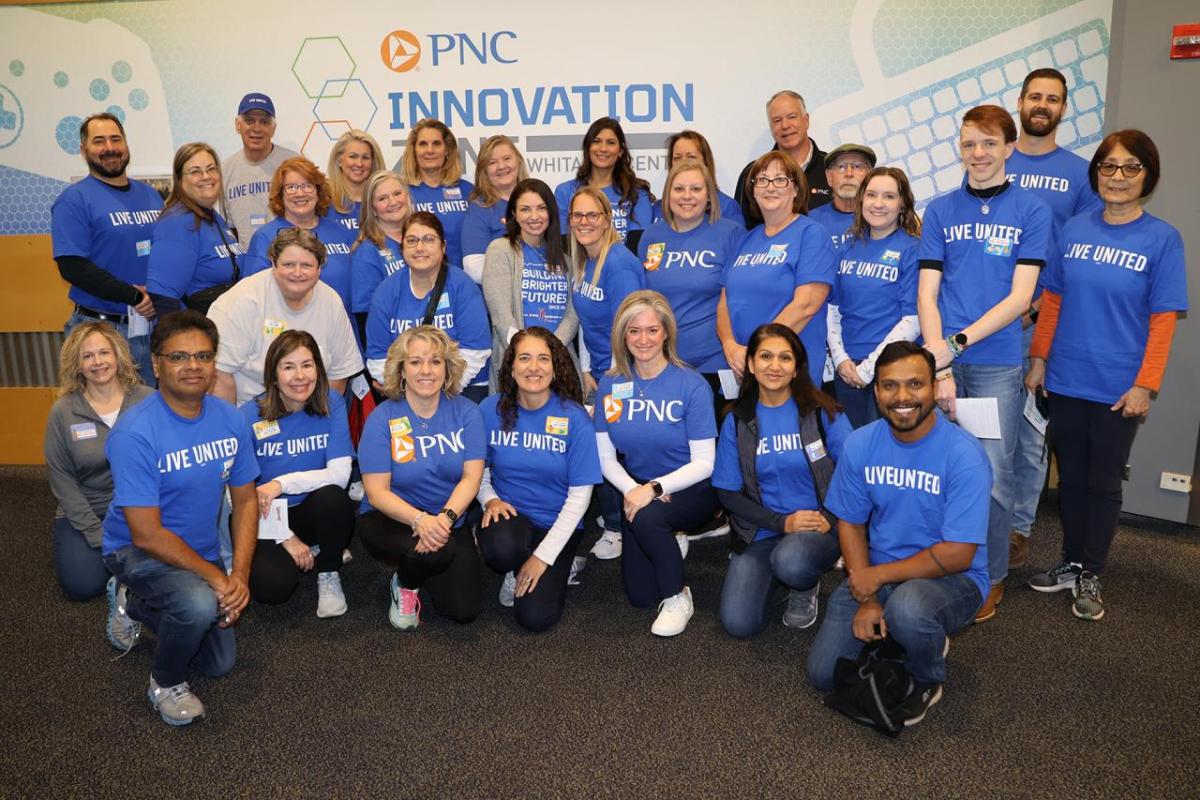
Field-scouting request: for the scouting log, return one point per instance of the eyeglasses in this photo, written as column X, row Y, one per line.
column 591, row 217
column 181, row 357
column 1108, row 169
column 297, row 188
column 429, row 240
column 196, row 172
column 850, row 166
column 779, row 181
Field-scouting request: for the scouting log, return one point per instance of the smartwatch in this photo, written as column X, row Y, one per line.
column 657, row 487
column 450, row 515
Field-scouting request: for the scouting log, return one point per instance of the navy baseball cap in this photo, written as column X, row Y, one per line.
column 256, row 100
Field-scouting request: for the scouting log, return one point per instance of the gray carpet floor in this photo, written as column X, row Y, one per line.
column 1038, row 703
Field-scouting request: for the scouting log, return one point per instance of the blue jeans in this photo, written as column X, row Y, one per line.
column 79, row 567
column 919, row 615
column 859, row 404
column 181, row 609
column 1031, row 462
column 1004, row 384
column 139, row 346
column 797, row 560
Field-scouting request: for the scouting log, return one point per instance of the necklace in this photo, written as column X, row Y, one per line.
column 985, row 200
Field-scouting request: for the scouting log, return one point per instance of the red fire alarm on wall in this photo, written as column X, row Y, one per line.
column 1185, row 41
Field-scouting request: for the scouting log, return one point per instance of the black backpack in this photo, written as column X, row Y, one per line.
column 872, row 688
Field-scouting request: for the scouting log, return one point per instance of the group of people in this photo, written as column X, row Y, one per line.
column 495, row 372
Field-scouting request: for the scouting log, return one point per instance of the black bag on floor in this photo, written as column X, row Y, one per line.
column 871, row 689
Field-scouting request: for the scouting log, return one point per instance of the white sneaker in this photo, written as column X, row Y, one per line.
column 356, row 491
column 177, row 705
column 508, row 590
column 578, row 564
column 673, row 614
column 609, row 546
column 347, row 556
column 682, row 540
column 331, row 601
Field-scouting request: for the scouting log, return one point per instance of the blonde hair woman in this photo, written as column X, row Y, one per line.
column 432, row 169
column 498, row 170
column 354, row 158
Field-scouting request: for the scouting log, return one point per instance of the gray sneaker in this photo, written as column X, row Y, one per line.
column 175, row 704
column 1088, row 604
column 801, row 611
column 1060, row 576
column 331, row 600
column 123, row 633
column 508, row 590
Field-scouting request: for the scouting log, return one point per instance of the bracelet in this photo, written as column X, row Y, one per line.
column 420, row 515
column 943, row 374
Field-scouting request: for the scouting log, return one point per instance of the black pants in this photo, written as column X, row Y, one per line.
column 451, row 576
column 651, row 564
column 506, row 545
column 1092, row 443
column 325, row 518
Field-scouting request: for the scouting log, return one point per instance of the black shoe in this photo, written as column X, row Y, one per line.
column 918, row 703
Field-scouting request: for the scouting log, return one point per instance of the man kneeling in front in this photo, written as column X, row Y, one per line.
column 922, row 485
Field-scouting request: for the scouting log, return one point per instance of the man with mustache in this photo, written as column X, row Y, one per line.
column 922, row 487
column 248, row 172
column 1059, row 178
column 100, row 229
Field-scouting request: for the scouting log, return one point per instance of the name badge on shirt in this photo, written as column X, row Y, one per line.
column 385, row 253
column 778, row 250
column 816, row 451
column 444, row 302
column 400, row 426
column 452, row 193
column 890, row 258
column 258, row 219
column 266, row 428
column 654, row 254
column 143, row 248
column 558, row 426
column 273, row 327
column 83, row 430
column 998, row 246
column 622, row 391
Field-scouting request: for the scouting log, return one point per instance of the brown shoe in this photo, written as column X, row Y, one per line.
column 988, row 610
column 1018, row 550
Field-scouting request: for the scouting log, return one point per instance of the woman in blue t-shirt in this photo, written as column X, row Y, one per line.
column 421, row 456
column 354, row 158
column 541, row 467
column 656, row 433
column 775, row 460
column 525, row 277
column 193, row 253
column 874, row 299
column 606, row 166
column 1107, row 319
column 783, row 270
column 302, row 442
column 498, row 169
column 431, row 168
column 377, row 252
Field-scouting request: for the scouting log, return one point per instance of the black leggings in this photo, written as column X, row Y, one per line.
column 1092, row 443
column 506, row 545
column 326, row 519
column 452, row 576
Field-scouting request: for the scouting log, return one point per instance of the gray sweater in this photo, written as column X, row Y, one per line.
column 503, row 269
column 79, row 472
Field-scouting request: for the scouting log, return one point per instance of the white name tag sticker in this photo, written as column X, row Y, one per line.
column 143, row 248
column 816, row 451
column 622, row 391
column 264, row 429
column 452, row 193
column 83, row 430
column 258, row 219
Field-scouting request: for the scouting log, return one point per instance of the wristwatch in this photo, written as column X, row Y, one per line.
column 450, row 515
column 957, row 343
column 657, row 487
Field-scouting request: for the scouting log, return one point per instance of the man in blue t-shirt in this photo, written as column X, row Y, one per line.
column 921, row 487
column 1060, row 179
column 172, row 456
column 846, row 167
column 100, row 228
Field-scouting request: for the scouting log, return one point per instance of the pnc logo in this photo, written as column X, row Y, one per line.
column 400, row 51
column 403, row 451
column 612, row 409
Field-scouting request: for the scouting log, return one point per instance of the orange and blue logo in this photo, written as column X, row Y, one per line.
column 400, row 51
column 612, row 408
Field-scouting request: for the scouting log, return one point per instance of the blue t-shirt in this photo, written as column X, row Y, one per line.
column 650, row 422
column 337, row 240
column 110, row 227
column 349, row 220
column 915, row 495
column 449, row 204
column 481, row 226
column 547, row 452
column 837, row 223
column 1111, row 279
column 596, row 305
column 876, row 286
column 978, row 254
column 179, row 465
column 763, row 278
column 297, row 442
column 544, row 294
column 785, row 481
column 688, row 269
column 188, row 256
column 627, row 216
column 460, row 313
column 369, row 265
column 424, row 457
column 1059, row 178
